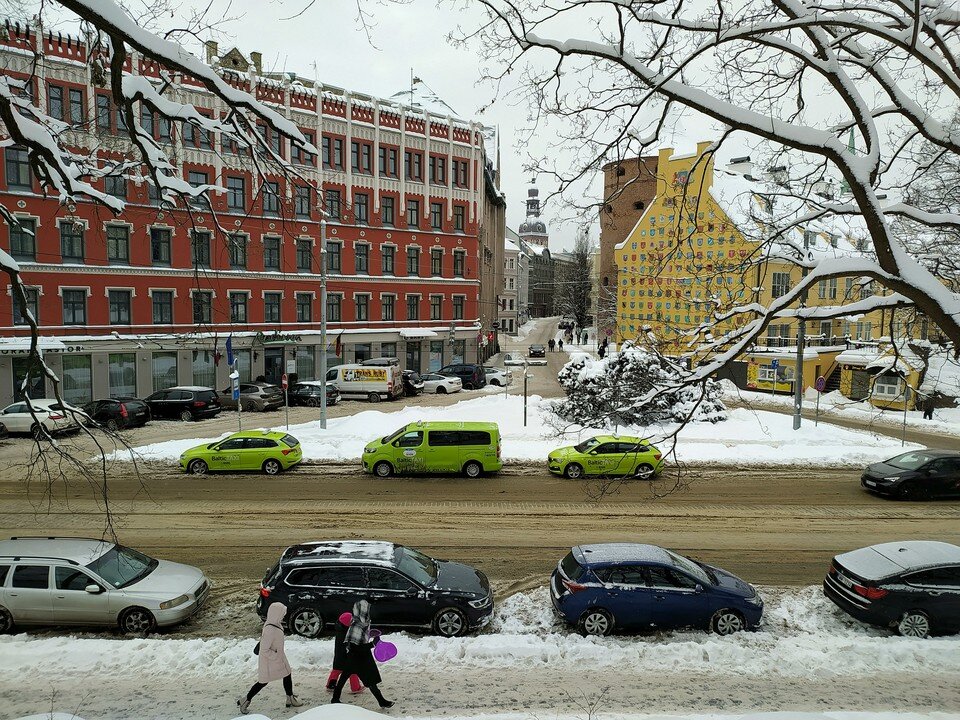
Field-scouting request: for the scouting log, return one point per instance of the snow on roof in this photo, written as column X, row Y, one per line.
column 881, row 561
column 536, row 249
column 511, row 246
column 624, row 552
column 369, row 550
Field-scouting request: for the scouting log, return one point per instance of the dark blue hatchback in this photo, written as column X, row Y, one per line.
column 629, row 586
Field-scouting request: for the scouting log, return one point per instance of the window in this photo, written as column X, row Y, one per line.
column 302, row 201
column 104, row 112
column 459, row 170
column 458, row 262
column 238, row 251
column 780, row 284
column 160, row 246
column 387, row 255
column 333, row 308
column 413, row 213
column 301, row 156
column 387, row 211
column 33, row 307
column 438, row 170
column 202, row 307
column 361, row 258
column 271, row 253
column 938, row 577
column 413, row 261
column 19, row 176
column 332, row 203
column 888, row 386
column 74, row 307
column 76, row 106
column 164, row 370
column 383, row 578
column 162, row 307
column 71, row 241
column 23, row 239
column 436, row 307
column 333, row 257
column 55, row 108
column 360, row 155
column 436, row 261
column 236, row 194
column 388, row 161
column 304, row 255
column 413, row 308
column 119, row 302
column 361, row 208
column 458, row 218
column 362, row 303
column 34, row 577
column 77, row 379
column 200, row 248
column 304, row 307
column 271, row 198
column 436, row 216
column 238, row 307
column 163, row 126
column 413, row 165
column 116, row 185
column 338, row 154
column 386, row 307
column 325, row 151
column 827, row 289
column 271, row 307
column 458, row 307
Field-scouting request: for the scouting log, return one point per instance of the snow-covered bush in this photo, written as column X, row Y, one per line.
column 635, row 386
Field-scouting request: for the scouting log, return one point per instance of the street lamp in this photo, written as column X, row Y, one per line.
column 323, row 323
column 801, row 342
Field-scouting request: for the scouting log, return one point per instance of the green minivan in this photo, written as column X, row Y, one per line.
column 436, row 447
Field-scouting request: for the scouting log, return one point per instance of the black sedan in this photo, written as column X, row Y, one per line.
column 309, row 393
column 119, row 413
column 914, row 475
column 911, row 586
column 537, row 351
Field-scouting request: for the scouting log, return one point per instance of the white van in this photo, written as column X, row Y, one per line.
column 373, row 382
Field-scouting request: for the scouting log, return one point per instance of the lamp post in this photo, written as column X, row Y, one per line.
column 526, row 376
column 801, row 342
column 323, row 323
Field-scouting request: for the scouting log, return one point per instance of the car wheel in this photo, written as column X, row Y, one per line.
column 3, row 431
column 197, row 467
column 249, row 406
column 36, row 431
column 6, row 621
column 472, row 469
column 573, row 471
column 272, row 467
column 383, row 469
column 727, row 622
column 914, row 624
column 111, row 425
column 306, row 622
column 450, row 622
column 374, row 397
column 137, row 621
column 313, row 402
column 495, row 382
column 441, row 390
column 908, row 491
column 186, row 416
column 596, row 622
column 644, row 471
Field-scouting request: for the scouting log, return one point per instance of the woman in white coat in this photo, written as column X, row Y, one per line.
column 272, row 664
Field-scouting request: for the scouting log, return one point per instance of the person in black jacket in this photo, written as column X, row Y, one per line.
column 358, row 655
column 340, row 661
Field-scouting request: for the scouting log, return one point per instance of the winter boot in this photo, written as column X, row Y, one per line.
column 294, row 701
column 387, row 704
column 244, row 705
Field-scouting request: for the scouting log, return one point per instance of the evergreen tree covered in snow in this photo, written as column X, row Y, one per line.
column 635, row 386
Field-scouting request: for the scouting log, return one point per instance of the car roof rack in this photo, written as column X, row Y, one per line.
column 57, row 537
column 18, row 558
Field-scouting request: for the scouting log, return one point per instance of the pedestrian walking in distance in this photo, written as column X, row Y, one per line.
column 560, row 345
column 552, row 344
column 340, row 662
column 927, row 406
column 272, row 661
column 358, row 655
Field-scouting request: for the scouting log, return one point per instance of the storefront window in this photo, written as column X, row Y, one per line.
column 305, row 363
column 459, row 351
column 388, row 350
column 204, row 371
column 164, row 370
column 123, row 374
column 23, row 367
column 361, row 352
column 77, row 379
column 436, row 355
column 413, row 356
column 242, row 358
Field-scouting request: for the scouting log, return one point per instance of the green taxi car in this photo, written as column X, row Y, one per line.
column 263, row 450
column 607, row 455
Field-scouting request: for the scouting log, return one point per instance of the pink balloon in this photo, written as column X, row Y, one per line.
column 345, row 618
column 384, row 651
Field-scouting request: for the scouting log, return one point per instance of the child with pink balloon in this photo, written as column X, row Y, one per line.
column 359, row 655
column 339, row 658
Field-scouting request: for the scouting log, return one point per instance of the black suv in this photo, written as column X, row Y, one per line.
column 186, row 403
column 473, row 376
column 119, row 413
column 309, row 393
column 318, row 581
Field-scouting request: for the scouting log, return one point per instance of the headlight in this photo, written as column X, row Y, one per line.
column 755, row 600
column 368, row 450
column 892, row 478
column 481, row 603
column 179, row 600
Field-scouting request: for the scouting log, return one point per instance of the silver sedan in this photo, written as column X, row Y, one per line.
column 433, row 383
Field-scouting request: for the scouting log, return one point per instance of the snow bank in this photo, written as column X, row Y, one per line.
column 748, row 437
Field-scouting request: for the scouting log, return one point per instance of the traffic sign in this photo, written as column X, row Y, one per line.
column 283, row 381
column 820, row 384
column 774, row 364
column 291, row 365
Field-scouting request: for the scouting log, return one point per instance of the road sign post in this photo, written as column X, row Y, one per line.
column 286, row 397
column 820, row 385
column 774, row 365
column 907, row 395
column 235, row 388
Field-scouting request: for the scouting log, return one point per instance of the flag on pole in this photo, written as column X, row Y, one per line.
column 230, row 351
column 337, row 347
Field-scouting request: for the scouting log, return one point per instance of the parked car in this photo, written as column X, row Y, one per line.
column 614, row 586
column 914, row 475
column 381, row 361
column 50, row 414
column 119, row 413
column 537, row 351
column 512, row 358
column 911, row 586
column 81, row 581
column 498, row 376
column 435, row 383
column 370, row 382
column 264, row 450
column 412, row 383
column 318, row 581
column 436, row 446
column 607, row 455
column 309, row 392
column 472, row 376
column 186, row 402
column 254, row 397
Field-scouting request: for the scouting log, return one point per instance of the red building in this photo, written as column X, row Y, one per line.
column 145, row 300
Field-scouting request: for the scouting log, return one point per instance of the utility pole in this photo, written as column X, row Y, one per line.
column 323, row 323
column 801, row 342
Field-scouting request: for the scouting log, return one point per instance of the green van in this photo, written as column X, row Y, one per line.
column 435, row 447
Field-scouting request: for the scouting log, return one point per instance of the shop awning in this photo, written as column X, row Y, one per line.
column 21, row 345
column 415, row 333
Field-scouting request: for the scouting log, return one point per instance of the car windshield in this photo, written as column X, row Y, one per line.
column 416, row 565
column 394, row 436
column 123, row 566
column 910, row 460
column 585, row 445
column 289, row 441
column 690, row 568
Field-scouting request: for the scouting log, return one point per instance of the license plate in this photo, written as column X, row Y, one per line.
column 869, row 483
column 845, row 580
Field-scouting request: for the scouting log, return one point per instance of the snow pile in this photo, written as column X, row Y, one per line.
column 748, row 436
